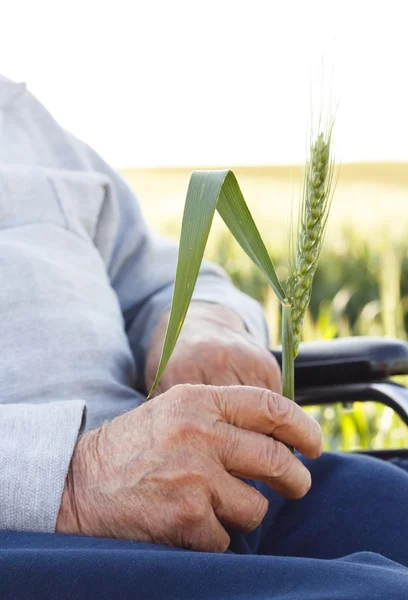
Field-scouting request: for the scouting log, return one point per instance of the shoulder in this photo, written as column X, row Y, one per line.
column 10, row 91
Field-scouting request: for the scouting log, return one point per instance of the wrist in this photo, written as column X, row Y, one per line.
column 67, row 520
column 75, row 501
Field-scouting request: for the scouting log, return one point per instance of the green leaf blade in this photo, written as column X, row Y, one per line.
column 237, row 217
column 201, row 201
column 208, row 191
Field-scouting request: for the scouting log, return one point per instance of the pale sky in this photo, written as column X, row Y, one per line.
column 213, row 82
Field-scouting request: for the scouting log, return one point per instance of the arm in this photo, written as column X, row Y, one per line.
column 141, row 267
column 37, row 441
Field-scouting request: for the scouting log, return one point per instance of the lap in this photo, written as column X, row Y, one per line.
column 45, row 566
column 356, row 504
column 327, row 545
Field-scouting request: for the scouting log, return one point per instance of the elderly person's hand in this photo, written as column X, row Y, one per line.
column 167, row 471
column 213, row 348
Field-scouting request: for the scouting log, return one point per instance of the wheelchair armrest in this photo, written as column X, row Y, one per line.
column 348, row 360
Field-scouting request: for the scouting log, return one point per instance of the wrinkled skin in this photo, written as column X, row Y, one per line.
column 214, row 348
column 167, row 471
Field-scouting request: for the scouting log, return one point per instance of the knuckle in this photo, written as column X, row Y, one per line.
column 217, row 394
column 187, row 393
column 278, row 459
column 227, row 440
column 171, row 403
column 192, row 428
column 178, row 391
column 278, row 408
column 191, row 512
column 183, row 419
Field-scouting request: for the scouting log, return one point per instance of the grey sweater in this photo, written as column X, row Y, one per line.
column 83, row 284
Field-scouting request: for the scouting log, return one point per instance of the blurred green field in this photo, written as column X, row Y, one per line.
column 361, row 285
column 361, row 288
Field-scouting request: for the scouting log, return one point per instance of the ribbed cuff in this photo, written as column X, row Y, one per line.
column 36, row 446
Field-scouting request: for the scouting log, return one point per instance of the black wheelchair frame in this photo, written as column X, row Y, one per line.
column 349, row 370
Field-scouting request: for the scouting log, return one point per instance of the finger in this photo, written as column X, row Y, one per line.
column 266, row 412
column 207, row 535
column 252, row 455
column 238, row 504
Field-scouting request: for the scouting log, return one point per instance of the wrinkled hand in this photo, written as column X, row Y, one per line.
column 214, row 348
column 167, row 471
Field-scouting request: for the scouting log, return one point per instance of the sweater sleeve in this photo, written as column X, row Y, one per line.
column 141, row 265
column 35, row 439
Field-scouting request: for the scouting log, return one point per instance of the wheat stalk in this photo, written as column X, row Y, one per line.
column 314, row 210
column 219, row 190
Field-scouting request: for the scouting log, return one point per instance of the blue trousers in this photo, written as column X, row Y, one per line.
column 346, row 540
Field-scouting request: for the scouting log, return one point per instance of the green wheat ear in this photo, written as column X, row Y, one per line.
column 314, row 210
